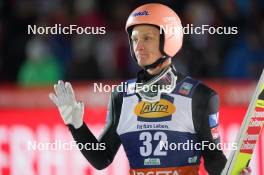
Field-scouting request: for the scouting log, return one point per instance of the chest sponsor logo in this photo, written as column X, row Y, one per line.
column 215, row 133
column 162, row 108
column 213, row 120
column 166, row 171
column 152, row 161
column 185, row 88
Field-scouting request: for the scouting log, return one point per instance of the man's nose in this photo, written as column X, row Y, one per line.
column 139, row 46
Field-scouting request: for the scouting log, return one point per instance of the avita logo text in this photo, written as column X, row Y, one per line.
column 158, row 109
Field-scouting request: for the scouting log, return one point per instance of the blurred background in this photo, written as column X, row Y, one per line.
column 31, row 64
column 96, row 57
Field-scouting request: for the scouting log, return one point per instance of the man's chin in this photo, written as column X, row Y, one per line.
column 143, row 63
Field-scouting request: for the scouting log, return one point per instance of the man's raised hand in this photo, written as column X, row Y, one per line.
column 70, row 110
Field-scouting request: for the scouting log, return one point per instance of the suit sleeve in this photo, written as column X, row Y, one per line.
column 100, row 159
column 205, row 115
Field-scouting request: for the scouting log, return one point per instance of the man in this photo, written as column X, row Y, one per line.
column 163, row 108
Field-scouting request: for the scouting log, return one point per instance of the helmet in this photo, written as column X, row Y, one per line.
column 163, row 17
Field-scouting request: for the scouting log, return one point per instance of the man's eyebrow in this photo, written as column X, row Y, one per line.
column 148, row 33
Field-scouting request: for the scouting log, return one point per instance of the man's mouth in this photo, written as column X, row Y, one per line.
column 142, row 54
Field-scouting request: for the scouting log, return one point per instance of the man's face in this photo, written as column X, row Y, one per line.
column 145, row 41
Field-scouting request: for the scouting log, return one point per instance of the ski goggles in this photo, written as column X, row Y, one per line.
column 151, row 91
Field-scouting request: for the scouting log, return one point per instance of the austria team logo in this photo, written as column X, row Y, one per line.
column 161, row 110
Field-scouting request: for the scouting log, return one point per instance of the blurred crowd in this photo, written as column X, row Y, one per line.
column 43, row 59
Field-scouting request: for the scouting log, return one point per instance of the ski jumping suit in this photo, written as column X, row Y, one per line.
column 150, row 132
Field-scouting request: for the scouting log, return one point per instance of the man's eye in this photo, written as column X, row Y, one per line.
column 147, row 38
column 134, row 40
